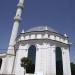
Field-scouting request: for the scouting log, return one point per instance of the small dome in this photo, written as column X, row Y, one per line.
column 41, row 28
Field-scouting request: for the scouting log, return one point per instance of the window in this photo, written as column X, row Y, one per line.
column 0, row 62
column 59, row 65
column 32, row 56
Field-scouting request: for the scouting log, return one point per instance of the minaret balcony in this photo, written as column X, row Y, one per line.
column 20, row 5
column 17, row 18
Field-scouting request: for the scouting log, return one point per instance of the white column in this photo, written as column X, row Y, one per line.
column 11, row 52
column 41, row 57
column 50, row 60
column 66, row 61
column 38, row 59
column 45, row 60
column 53, row 60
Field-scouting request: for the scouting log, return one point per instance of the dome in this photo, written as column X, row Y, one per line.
column 41, row 28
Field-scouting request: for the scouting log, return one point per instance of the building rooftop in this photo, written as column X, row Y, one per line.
column 41, row 28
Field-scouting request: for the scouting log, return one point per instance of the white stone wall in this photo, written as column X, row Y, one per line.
column 53, row 61
column 3, row 63
column 8, row 61
column 66, row 61
column 45, row 53
column 44, row 35
column 45, row 58
column 21, row 52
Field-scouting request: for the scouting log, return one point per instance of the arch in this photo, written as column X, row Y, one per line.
column 59, row 65
column 0, row 62
column 32, row 56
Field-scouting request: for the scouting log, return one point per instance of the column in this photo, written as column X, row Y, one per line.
column 66, row 61
column 53, row 60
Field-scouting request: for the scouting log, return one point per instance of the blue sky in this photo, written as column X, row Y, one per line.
column 58, row 14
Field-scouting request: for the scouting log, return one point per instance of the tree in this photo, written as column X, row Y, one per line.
column 24, row 62
column 73, row 68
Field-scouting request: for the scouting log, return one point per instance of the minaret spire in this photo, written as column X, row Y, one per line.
column 17, row 20
column 10, row 52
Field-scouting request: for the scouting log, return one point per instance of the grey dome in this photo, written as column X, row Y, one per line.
column 41, row 28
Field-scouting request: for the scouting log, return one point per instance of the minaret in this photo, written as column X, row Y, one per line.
column 17, row 20
column 11, row 52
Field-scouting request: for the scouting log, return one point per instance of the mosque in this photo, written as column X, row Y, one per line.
column 47, row 48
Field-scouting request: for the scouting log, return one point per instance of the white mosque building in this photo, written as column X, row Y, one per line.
column 48, row 50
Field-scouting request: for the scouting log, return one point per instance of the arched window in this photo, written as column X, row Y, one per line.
column 0, row 62
column 32, row 56
column 59, row 65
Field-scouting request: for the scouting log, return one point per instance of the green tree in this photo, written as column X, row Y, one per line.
column 24, row 62
column 73, row 68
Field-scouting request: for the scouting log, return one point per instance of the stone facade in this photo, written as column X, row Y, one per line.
column 45, row 62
